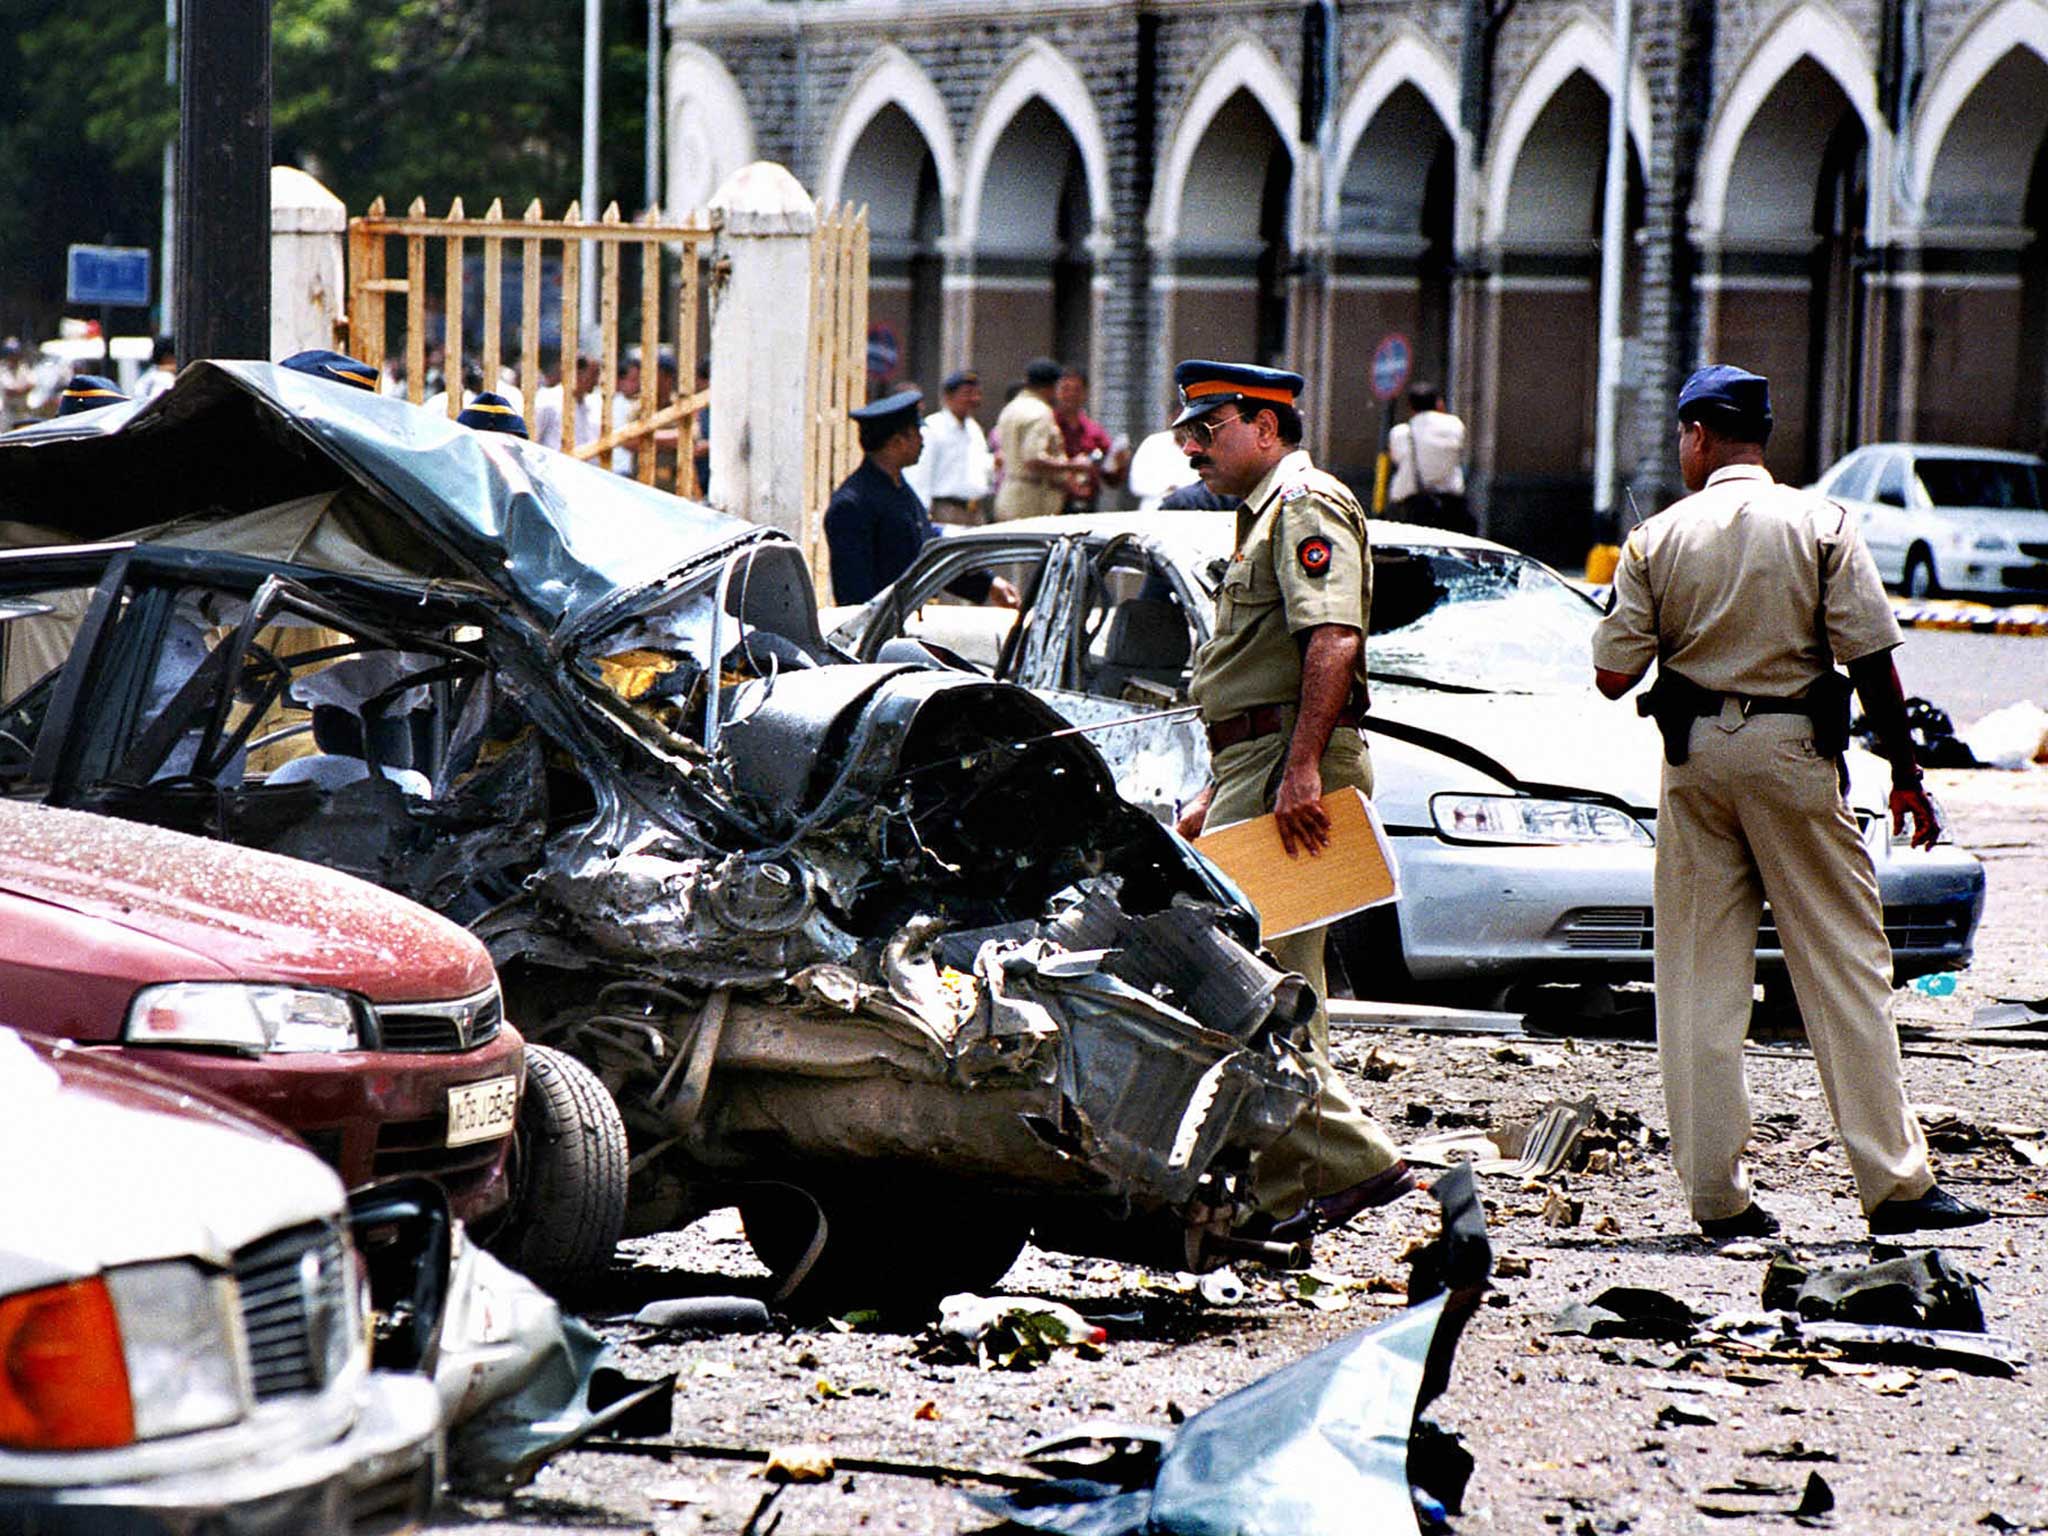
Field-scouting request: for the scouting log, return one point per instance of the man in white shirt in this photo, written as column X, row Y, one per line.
column 957, row 471
column 1428, row 452
column 162, row 372
column 547, row 408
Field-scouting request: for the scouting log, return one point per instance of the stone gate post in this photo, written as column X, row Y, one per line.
column 308, row 295
column 760, row 345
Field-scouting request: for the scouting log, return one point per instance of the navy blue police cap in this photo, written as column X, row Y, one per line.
column 337, row 366
column 88, row 392
column 492, row 413
column 1205, row 385
column 1722, row 389
column 903, row 403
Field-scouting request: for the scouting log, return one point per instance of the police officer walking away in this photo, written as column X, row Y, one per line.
column 1281, row 686
column 875, row 524
column 1746, row 594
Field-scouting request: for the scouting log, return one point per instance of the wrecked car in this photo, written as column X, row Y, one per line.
column 182, row 1319
column 875, row 952
column 369, row 1027
column 1521, row 806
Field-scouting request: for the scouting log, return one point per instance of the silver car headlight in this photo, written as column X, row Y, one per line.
column 253, row 1018
column 177, row 1338
column 1522, row 819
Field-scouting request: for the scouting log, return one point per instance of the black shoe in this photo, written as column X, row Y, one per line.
column 1327, row 1211
column 1751, row 1221
column 1383, row 1188
column 1936, row 1208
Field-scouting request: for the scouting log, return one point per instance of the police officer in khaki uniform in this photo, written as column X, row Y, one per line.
column 1282, row 688
column 1746, row 593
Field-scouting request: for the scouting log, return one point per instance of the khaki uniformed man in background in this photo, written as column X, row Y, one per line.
column 1746, row 594
column 1282, row 689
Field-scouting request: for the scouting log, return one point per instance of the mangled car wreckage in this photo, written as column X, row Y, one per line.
column 873, row 951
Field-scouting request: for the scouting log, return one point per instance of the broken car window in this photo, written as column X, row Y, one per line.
column 1476, row 619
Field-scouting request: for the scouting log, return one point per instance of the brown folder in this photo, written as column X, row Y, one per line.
column 1355, row 871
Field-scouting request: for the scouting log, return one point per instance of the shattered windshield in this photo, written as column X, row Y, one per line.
column 1477, row 620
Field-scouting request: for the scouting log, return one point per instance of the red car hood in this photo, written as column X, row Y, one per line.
column 260, row 916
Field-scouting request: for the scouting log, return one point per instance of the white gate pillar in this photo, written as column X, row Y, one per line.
column 308, row 295
column 760, row 345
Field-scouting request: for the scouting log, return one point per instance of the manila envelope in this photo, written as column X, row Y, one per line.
column 1355, row 871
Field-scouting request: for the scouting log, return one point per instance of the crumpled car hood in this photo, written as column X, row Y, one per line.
column 255, row 915
column 558, row 536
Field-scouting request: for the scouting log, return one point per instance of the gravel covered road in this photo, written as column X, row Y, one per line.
column 1570, row 1434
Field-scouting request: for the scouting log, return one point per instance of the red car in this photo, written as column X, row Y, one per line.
column 368, row 1025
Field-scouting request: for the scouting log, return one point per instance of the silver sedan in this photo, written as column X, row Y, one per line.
column 1521, row 805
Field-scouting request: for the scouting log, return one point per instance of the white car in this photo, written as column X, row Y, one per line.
column 1946, row 519
column 1522, row 806
column 183, row 1340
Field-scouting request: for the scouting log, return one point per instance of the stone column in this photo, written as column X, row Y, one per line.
column 308, row 293
column 760, row 345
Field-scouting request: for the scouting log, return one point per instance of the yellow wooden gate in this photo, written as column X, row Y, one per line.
column 837, row 378
column 662, row 442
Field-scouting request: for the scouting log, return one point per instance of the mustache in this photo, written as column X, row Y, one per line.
column 1199, row 462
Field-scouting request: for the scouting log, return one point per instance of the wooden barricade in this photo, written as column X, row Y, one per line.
column 662, row 441
column 837, row 377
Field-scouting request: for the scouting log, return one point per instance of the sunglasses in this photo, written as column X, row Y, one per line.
column 1201, row 431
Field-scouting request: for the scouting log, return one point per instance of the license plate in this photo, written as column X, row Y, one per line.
column 479, row 1111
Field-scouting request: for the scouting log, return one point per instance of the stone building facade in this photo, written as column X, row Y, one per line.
column 1844, row 194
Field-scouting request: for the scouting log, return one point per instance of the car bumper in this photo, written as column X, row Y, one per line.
column 1502, row 915
column 369, row 1114
column 378, row 1477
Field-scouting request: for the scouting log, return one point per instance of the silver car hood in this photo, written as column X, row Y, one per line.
column 108, row 1167
column 1574, row 741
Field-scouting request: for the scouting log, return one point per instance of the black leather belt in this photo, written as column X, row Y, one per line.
column 1265, row 721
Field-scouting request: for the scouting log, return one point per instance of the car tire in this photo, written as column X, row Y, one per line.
column 568, row 1180
column 1919, row 580
column 891, row 1247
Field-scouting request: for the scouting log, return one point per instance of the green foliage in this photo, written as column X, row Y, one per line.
column 81, row 143
column 479, row 99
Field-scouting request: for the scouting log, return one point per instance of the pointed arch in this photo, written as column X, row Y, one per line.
column 1581, row 46
column 1808, row 30
column 1997, row 32
column 710, row 132
column 1036, row 71
column 892, row 78
column 1242, row 64
column 1410, row 59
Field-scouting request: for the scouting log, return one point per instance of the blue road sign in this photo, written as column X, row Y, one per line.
column 110, row 276
column 1390, row 361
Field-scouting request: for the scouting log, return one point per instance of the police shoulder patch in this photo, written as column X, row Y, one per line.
column 1314, row 554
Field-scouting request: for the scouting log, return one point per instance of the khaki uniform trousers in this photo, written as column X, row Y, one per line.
column 1335, row 1144
column 1756, row 813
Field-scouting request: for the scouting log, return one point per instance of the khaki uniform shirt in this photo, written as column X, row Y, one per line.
column 1747, row 587
column 1301, row 560
column 1027, row 431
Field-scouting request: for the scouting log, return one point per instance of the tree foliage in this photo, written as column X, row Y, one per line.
column 479, row 99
